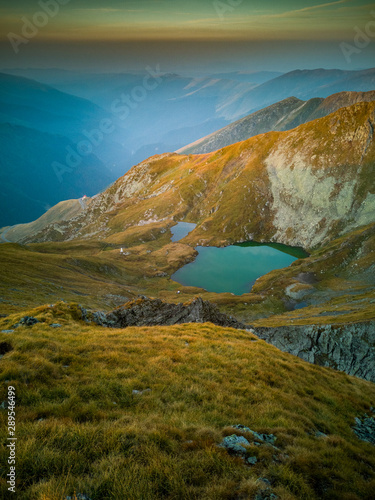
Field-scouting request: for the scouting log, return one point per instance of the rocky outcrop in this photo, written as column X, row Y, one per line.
column 153, row 312
column 365, row 429
column 349, row 348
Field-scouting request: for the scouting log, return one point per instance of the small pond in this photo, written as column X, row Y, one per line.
column 235, row 268
column 181, row 229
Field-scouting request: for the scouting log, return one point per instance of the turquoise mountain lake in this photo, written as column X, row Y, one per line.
column 235, row 268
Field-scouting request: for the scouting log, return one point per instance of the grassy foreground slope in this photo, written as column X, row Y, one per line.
column 80, row 427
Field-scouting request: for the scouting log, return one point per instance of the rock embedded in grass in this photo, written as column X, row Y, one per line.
column 234, row 444
column 365, row 429
column 266, row 438
column 78, row 496
column 26, row 321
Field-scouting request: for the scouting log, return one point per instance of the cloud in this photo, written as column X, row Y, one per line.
column 106, row 9
column 307, row 9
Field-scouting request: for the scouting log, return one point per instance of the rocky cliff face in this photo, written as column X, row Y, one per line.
column 349, row 348
column 152, row 312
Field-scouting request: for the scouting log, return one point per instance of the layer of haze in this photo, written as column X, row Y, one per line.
column 117, row 35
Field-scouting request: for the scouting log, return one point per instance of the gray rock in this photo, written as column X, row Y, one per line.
column 152, row 312
column 349, row 348
column 55, row 325
column 319, row 434
column 252, row 460
column 365, row 429
column 263, row 481
column 139, row 393
column 78, row 496
column 266, row 495
column 235, row 444
column 26, row 321
column 266, row 438
column 7, row 331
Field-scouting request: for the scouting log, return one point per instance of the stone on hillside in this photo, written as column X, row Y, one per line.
column 78, row 496
column 27, row 321
column 365, row 429
column 137, row 392
column 319, row 434
column 234, row 444
column 266, row 438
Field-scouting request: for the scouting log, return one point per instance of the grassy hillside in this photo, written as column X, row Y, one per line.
column 82, row 429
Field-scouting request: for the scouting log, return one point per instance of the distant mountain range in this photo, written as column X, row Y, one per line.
column 284, row 115
column 305, row 85
column 49, row 123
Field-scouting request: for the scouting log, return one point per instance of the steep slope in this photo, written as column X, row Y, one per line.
column 283, row 115
column 302, row 187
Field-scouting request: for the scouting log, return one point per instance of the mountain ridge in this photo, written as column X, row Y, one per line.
column 284, row 115
column 270, row 174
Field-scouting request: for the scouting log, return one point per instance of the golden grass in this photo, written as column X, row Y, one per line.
column 81, row 429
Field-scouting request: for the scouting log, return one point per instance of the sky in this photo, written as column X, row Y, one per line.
column 187, row 34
